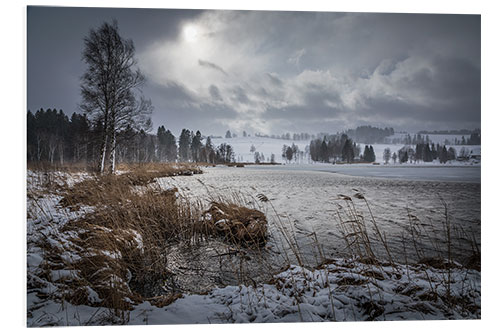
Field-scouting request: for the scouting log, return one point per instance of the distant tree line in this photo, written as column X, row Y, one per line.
column 289, row 153
column 368, row 154
column 53, row 137
column 419, row 138
column 288, row 136
column 423, row 152
column 473, row 140
column 190, row 147
column 453, row 132
column 416, row 139
column 333, row 148
column 429, row 153
column 369, row 134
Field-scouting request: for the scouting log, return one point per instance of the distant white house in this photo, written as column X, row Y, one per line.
column 475, row 154
column 475, row 157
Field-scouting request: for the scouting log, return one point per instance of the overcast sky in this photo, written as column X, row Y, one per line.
column 274, row 72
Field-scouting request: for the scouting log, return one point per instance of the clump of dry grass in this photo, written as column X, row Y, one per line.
column 100, row 269
column 237, row 224
column 120, row 245
column 99, row 190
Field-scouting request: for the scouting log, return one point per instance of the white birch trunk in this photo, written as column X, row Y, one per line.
column 103, row 153
column 112, row 158
column 61, row 155
column 51, row 154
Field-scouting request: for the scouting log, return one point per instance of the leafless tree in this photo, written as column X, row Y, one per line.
column 110, row 88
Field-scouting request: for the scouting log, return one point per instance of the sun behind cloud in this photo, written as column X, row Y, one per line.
column 191, row 33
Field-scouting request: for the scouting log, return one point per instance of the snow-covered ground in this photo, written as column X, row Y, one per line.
column 306, row 199
column 342, row 290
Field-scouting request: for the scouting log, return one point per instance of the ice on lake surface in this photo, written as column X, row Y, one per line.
column 306, row 197
column 426, row 172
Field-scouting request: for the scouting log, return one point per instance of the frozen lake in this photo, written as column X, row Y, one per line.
column 456, row 173
column 306, row 198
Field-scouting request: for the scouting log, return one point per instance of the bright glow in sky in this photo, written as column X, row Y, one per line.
column 191, row 33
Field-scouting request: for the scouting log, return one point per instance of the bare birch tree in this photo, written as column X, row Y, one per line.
column 110, row 88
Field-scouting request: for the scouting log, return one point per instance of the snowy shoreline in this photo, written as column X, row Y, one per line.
column 354, row 290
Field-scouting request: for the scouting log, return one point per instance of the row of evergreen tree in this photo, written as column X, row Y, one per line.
column 368, row 154
column 333, row 148
column 287, row 136
column 369, row 134
column 53, row 137
column 192, row 149
column 426, row 153
column 453, row 132
column 474, row 139
column 416, row 139
column 289, row 153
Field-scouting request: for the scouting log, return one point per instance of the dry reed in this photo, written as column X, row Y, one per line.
column 121, row 244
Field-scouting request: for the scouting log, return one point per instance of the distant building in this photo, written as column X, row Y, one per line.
column 475, row 154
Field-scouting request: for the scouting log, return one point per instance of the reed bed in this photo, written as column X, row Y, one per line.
column 368, row 245
column 120, row 245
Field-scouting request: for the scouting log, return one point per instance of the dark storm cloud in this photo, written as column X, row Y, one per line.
column 382, row 109
column 281, row 71
column 317, row 104
column 240, row 96
column 299, row 113
column 452, row 91
column 177, row 108
column 456, row 80
column 209, row 118
column 211, row 65
column 274, row 79
column 174, row 92
column 215, row 93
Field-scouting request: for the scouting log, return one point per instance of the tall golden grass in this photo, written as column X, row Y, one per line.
column 121, row 244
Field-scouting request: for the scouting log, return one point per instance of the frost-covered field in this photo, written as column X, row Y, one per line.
column 307, row 201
